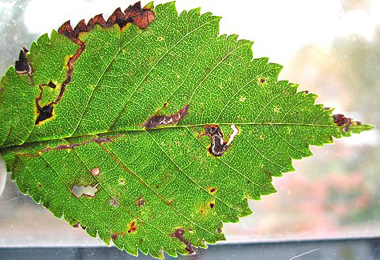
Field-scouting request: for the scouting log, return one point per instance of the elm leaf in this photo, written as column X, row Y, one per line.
column 150, row 130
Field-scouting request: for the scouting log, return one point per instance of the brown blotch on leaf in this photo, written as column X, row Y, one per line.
column 341, row 120
column 262, row 80
column 219, row 230
column 118, row 17
column 143, row 19
column 132, row 227
column 133, row 14
column 159, row 120
column 212, row 204
column 114, row 236
column 96, row 20
column 178, row 233
column 169, row 202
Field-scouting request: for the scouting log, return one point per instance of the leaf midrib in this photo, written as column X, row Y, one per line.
column 128, row 131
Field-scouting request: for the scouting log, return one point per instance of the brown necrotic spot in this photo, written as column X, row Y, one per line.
column 261, row 80
column 212, row 190
column 114, row 236
column 134, row 14
column 178, row 233
column 140, row 202
column 341, row 120
column 212, row 204
column 132, row 227
column 121, row 181
column 76, row 225
column 159, row 120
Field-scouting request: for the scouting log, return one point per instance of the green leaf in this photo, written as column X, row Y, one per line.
column 151, row 130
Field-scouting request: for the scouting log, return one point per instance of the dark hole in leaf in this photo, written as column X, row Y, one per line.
column 22, row 65
column 51, row 84
column 45, row 113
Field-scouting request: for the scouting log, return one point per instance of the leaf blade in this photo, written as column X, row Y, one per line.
column 174, row 182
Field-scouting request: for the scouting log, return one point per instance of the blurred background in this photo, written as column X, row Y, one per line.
column 329, row 47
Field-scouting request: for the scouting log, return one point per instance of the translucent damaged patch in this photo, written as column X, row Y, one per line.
column 88, row 191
